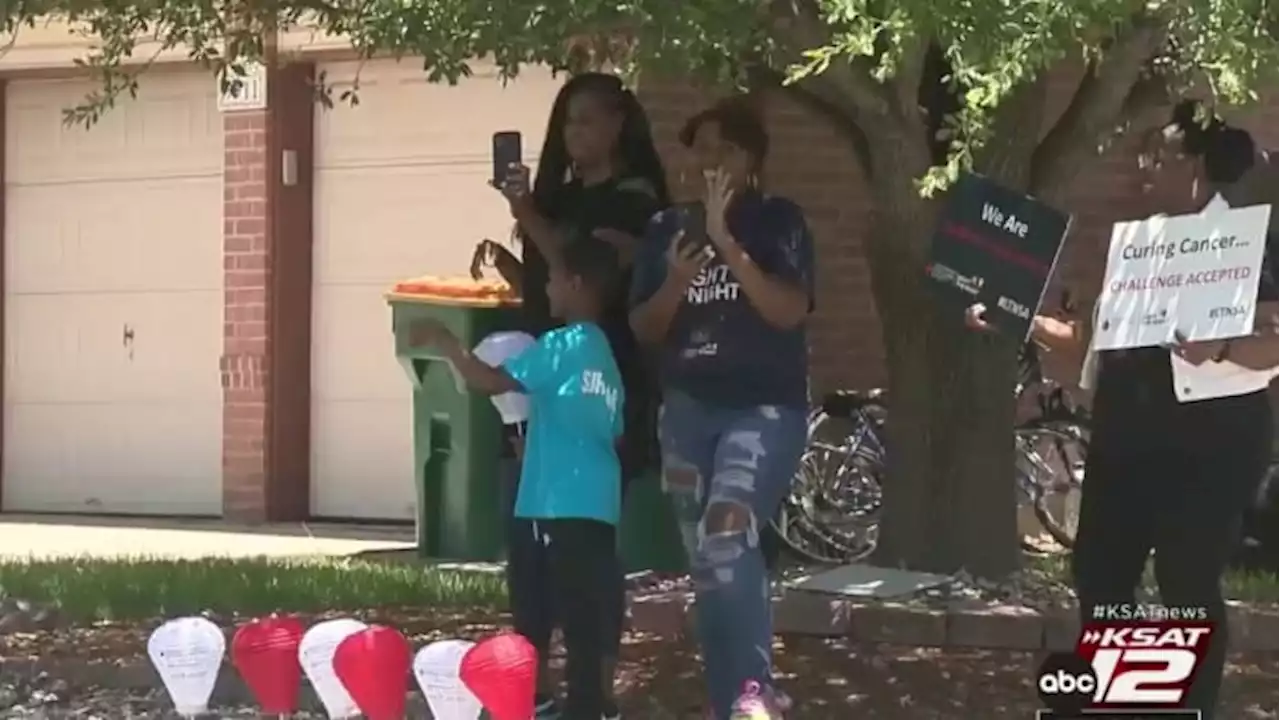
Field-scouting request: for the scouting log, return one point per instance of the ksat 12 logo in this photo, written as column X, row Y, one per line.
column 1125, row 670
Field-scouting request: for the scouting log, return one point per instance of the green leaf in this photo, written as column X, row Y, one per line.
column 992, row 47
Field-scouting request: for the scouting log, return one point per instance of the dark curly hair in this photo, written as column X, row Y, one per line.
column 739, row 124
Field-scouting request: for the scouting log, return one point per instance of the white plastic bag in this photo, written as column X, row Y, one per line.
column 496, row 349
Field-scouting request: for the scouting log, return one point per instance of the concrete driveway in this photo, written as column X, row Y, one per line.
column 35, row 536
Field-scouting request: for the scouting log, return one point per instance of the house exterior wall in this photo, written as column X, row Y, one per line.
column 267, row 236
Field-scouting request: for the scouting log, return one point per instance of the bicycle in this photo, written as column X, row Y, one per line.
column 832, row 512
column 1061, row 427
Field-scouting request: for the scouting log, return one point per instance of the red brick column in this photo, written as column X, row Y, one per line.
column 246, row 265
column 267, row 314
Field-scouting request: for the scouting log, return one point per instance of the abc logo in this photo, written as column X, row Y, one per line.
column 1066, row 682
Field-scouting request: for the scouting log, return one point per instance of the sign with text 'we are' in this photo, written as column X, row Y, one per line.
column 996, row 247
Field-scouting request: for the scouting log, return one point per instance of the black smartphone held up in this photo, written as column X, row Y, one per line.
column 693, row 223
column 507, row 151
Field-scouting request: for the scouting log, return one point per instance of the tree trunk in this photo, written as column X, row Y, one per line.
column 949, row 500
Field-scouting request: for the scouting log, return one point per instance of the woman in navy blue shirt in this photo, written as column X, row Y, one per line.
column 725, row 307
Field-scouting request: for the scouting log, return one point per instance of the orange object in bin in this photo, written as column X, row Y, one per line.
column 455, row 290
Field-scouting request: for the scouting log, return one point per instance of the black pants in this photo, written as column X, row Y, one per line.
column 1179, row 491
column 566, row 570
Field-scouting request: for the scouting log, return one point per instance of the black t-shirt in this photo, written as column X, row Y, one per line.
column 1135, row 394
column 626, row 205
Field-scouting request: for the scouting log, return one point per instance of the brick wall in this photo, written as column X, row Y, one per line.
column 808, row 164
column 245, row 345
column 267, row 313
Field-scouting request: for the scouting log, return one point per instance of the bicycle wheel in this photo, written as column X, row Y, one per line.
column 1051, row 470
column 831, row 514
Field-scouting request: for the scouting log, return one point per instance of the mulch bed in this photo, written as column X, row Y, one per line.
column 45, row 672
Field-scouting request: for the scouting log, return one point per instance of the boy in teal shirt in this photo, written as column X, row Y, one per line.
column 570, row 491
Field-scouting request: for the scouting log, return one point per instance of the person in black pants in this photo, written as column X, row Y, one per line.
column 599, row 181
column 1169, row 476
column 570, row 495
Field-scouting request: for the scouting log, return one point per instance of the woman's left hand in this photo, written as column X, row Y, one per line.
column 719, row 195
column 1197, row 353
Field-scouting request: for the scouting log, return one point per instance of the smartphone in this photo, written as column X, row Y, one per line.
column 693, row 223
column 507, row 151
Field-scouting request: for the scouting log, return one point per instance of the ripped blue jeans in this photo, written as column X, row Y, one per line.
column 727, row 470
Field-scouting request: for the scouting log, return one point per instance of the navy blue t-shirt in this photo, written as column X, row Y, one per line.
column 719, row 349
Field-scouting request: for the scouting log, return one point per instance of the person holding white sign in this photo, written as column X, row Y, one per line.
column 1171, row 471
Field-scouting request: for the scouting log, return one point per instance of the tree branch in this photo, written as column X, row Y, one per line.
column 1096, row 107
column 829, row 105
column 798, row 26
column 1012, row 141
column 1147, row 103
column 906, row 83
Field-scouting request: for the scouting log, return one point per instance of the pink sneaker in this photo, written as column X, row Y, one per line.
column 754, row 705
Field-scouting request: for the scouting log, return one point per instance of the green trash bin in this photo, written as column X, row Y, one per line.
column 457, row 438
column 457, row 435
column 649, row 535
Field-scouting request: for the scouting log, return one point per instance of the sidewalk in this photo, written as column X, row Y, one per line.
column 51, row 536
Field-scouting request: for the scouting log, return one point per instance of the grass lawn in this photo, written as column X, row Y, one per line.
column 89, row 590
column 141, row 588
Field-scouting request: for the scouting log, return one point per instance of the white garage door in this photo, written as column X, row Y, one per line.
column 400, row 191
column 113, row 301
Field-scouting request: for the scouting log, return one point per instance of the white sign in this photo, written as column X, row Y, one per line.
column 1192, row 274
column 315, row 654
column 187, row 654
column 250, row 94
column 436, row 668
column 1215, row 379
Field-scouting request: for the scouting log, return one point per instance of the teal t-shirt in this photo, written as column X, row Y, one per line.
column 571, row 467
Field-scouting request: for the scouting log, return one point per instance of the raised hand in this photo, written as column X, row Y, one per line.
column 515, row 187
column 719, row 195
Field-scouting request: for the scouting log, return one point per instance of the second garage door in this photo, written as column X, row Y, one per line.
column 400, row 191
column 113, row 301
